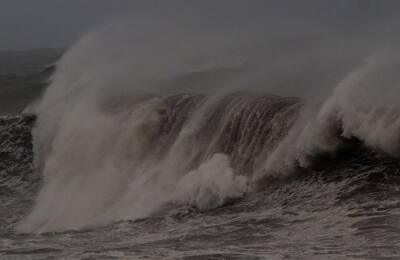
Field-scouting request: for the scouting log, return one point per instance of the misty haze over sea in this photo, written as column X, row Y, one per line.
column 200, row 129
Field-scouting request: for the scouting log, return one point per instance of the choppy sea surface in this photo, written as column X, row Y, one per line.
column 346, row 206
column 348, row 209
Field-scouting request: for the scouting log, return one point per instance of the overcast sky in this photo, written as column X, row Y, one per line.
column 26, row 24
column 53, row 23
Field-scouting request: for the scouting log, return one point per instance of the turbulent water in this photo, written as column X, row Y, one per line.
column 196, row 188
column 240, row 136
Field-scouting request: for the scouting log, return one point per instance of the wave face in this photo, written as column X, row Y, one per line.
column 201, row 196
column 128, row 158
column 184, row 149
column 108, row 150
column 194, row 174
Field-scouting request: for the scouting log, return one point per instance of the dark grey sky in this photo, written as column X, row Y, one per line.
column 53, row 23
column 26, row 24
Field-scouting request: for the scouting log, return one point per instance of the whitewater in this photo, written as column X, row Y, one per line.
column 149, row 147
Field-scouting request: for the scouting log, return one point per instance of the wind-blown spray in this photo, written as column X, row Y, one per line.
column 114, row 141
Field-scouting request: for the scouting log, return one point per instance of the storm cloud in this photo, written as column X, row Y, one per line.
column 58, row 23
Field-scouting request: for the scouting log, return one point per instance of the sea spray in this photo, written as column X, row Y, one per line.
column 113, row 142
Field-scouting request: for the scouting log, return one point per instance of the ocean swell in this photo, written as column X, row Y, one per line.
column 111, row 145
column 201, row 151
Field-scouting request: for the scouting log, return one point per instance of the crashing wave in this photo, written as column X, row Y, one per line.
column 120, row 164
column 110, row 146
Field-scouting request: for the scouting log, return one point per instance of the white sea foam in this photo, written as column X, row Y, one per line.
column 109, row 149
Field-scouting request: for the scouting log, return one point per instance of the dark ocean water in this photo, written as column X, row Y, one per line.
column 23, row 76
column 345, row 205
column 346, row 208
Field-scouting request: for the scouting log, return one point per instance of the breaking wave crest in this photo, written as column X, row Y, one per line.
column 109, row 153
column 119, row 164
